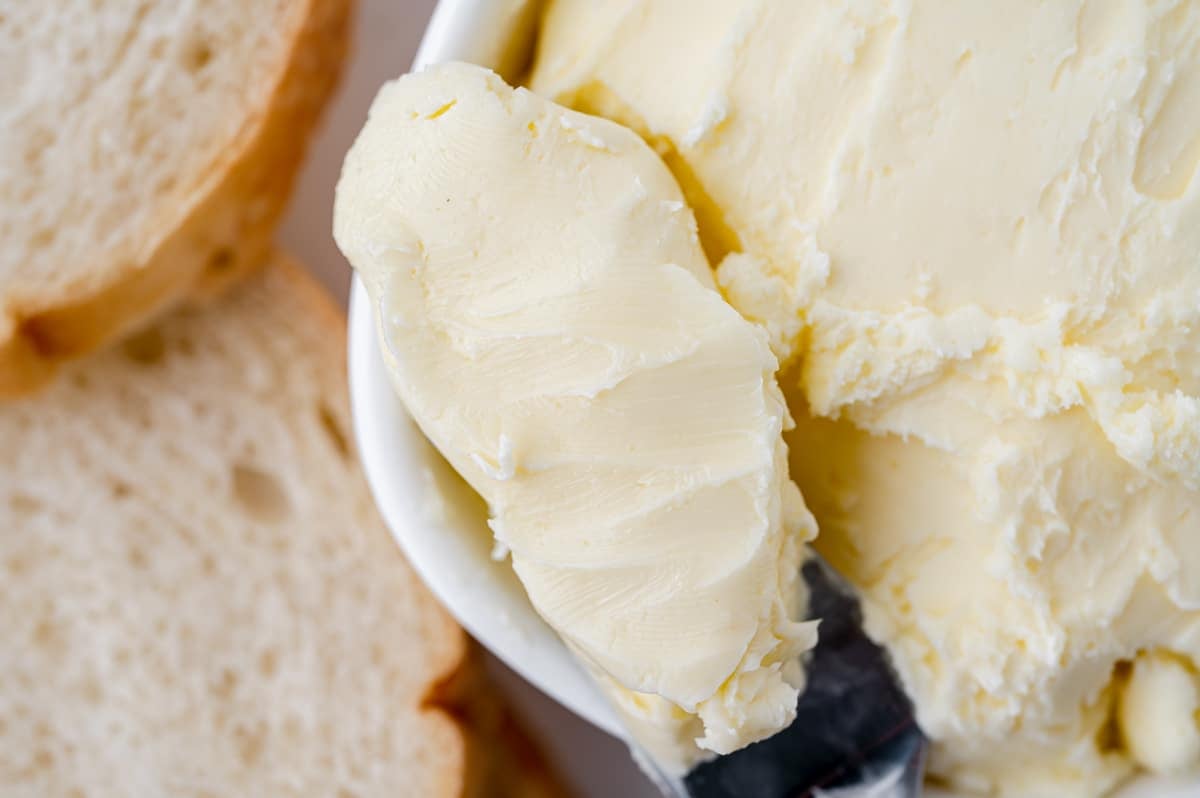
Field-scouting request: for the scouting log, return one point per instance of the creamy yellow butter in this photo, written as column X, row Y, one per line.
column 552, row 324
column 973, row 231
column 1158, row 713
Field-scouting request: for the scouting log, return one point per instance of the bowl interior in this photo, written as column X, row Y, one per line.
column 439, row 522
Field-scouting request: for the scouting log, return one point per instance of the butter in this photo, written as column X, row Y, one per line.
column 552, row 324
column 1160, row 715
column 973, row 236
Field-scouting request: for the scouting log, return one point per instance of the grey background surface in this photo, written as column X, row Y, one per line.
column 386, row 37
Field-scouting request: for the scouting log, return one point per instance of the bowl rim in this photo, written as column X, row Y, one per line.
column 454, row 561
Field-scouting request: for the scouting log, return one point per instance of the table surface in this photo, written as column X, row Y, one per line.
column 386, row 37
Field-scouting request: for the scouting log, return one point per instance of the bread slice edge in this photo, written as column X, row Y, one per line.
column 223, row 233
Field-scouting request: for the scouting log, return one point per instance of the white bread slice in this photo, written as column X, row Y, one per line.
column 199, row 598
column 146, row 150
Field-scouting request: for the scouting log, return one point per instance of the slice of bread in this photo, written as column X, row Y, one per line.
column 146, row 150
column 199, row 597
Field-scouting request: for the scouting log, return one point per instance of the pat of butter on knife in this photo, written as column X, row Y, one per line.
column 551, row 323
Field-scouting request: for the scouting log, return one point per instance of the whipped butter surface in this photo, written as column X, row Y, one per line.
column 552, row 324
column 973, row 232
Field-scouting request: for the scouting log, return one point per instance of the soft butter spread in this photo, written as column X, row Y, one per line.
column 552, row 324
column 972, row 230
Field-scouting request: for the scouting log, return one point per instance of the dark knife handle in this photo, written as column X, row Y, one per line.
column 854, row 725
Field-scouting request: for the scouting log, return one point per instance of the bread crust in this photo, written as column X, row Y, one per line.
column 223, row 232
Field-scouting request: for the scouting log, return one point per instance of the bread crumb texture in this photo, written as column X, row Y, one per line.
column 199, row 597
column 146, row 150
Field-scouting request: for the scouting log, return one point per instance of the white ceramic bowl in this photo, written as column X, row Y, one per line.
column 437, row 520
